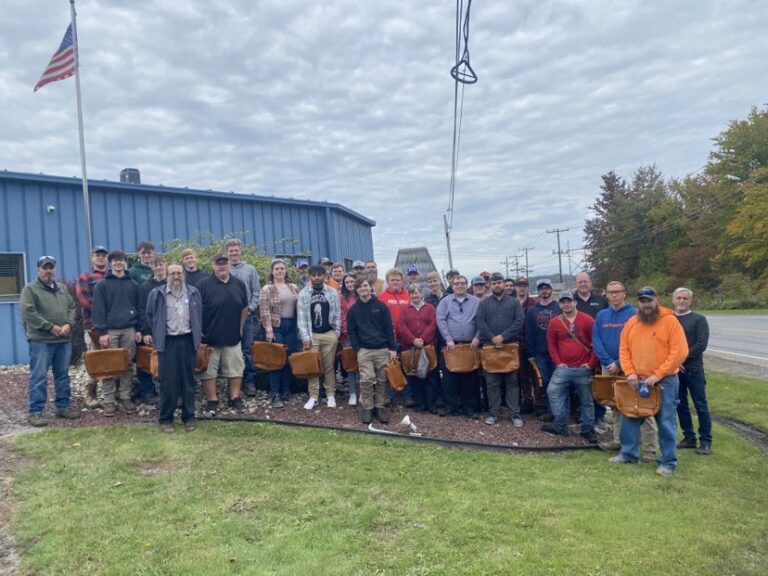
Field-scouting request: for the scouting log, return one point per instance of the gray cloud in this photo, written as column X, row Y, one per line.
column 351, row 102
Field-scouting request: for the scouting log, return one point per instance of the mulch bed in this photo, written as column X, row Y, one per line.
column 13, row 414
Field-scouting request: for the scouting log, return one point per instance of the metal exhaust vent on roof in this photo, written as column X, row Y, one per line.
column 130, row 176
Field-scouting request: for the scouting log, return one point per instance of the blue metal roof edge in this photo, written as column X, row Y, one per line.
column 7, row 174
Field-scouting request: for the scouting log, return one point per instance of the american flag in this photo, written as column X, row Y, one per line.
column 62, row 64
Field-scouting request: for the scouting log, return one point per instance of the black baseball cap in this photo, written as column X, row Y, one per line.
column 43, row 260
column 646, row 292
column 97, row 249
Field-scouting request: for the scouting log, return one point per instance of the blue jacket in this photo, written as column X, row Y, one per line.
column 157, row 315
column 607, row 332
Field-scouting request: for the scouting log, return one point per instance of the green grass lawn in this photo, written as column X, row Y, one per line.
column 744, row 399
column 262, row 499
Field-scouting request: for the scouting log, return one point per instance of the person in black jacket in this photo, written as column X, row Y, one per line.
column 692, row 377
column 147, row 388
column 115, row 315
column 369, row 327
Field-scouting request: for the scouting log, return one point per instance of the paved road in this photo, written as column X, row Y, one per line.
column 742, row 339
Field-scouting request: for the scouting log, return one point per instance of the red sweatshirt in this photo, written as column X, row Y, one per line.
column 421, row 323
column 564, row 348
column 396, row 303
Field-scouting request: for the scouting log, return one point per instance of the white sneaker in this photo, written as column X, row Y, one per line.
column 353, row 399
column 311, row 403
column 331, row 401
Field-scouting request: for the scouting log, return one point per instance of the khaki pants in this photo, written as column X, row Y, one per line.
column 124, row 338
column 326, row 342
column 373, row 380
column 88, row 346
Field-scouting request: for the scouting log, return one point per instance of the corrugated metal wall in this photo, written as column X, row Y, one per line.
column 124, row 214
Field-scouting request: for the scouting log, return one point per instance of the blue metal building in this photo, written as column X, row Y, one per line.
column 43, row 215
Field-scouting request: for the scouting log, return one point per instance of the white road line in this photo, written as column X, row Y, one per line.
column 737, row 354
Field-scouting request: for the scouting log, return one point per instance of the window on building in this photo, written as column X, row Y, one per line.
column 348, row 264
column 11, row 276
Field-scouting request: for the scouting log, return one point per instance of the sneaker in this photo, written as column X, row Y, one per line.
column 546, row 417
column 590, row 437
column 190, row 426
column 665, row 470
column 490, row 420
column 110, row 409
column 36, row 419
column 549, row 428
column 150, row 400
column 600, row 426
column 237, row 404
column 648, row 456
column 383, row 415
column 471, row 415
column 126, row 406
column 610, row 446
column 211, row 408
column 68, row 414
column 704, row 450
column 311, row 403
column 166, row 427
column 331, row 401
column 517, row 422
column 620, row 460
column 686, row 443
column 250, row 390
column 353, row 399
column 276, row 402
column 367, row 416
column 285, row 397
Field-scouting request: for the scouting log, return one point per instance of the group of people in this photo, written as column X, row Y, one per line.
column 176, row 307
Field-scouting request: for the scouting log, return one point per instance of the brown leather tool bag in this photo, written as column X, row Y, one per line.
column 395, row 376
column 106, row 364
column 501, row 360
column 407, row 359
column 349, row 360
column 147, row 360
column 602, row 389
column 632, row 405
column 269, row 356
column 306, row 364
column 462, row 359
column 202, row 357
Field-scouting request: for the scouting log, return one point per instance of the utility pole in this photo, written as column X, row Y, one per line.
column 517, row 265
column 559, row 251
column 526, row 270
column 506, row 264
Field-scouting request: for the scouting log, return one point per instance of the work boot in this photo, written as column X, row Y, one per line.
column 126, row 406
column 687, row 442
column 367, row 415
column 383, row 415
column 91, row 399
column 68, row 414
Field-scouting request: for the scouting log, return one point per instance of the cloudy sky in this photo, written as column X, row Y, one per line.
column 351, row 101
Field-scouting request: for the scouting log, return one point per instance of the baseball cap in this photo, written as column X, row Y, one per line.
column 358, row 264
column 565, row 295
column 325, row 260
column 478, row 280
column 43, row 260
column 497, row 276
column 220, row 256
column 99, row 249
column 412, row 269
column 522, row 281
column 543, row 282
column 302, row 262
column 646, row 292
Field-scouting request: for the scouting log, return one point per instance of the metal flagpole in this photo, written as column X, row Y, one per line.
column 86, row 203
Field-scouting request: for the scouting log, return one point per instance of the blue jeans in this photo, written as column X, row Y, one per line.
column 352, row 379
column 286, row 333
column 557, row 392
column 694, row 381
column 249, row 375
column 667, row 422
column 41, row 357
column 146, row 385
column 544, row 362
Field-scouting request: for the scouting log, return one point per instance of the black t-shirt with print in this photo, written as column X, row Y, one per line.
column 319, row 310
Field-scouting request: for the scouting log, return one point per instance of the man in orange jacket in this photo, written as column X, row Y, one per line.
column 652, row 349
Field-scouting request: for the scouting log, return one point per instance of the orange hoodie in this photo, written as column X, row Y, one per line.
column 659, row 348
